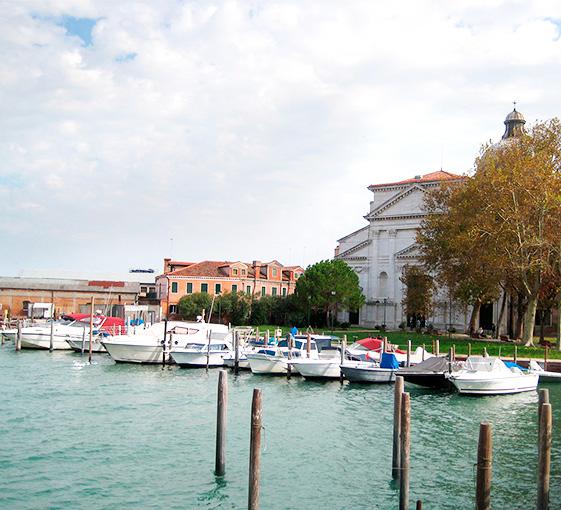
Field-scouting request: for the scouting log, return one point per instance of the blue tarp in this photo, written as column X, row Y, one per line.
column 512, row 364
column 389, row 361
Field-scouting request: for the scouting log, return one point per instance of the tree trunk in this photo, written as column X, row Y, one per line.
column 500, row 320
column 474, row 317
column 542, row 317
column 530, row 320
column 520, row 314
column 559, row 324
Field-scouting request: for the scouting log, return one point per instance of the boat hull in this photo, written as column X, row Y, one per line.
column 41, row 341
column 431, row 380
column 243, row 363
column 495, row 386
column 263, row 364
column 368, row 375
column 317, row 369
column 134, row 353
column 198, row 358
column 76, row 345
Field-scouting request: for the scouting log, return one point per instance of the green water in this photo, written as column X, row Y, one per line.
column 75, row 436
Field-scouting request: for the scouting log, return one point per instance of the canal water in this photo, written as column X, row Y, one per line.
column 107, row 436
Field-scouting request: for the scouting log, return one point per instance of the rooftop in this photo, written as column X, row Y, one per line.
column 439, row 175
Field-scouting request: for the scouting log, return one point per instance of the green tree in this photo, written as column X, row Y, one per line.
column 192, row 305
column 329, row 286
column 235, row 307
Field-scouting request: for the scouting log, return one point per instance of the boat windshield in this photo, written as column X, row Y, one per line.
column 180, row 330
column 298, row 344
column 357, row 347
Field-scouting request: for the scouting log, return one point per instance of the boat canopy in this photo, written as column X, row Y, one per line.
column 371, row 344
column 389, row 361
column 435, row 364
column 485, row 364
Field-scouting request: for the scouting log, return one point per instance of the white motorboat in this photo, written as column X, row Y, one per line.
column 490, row 376
column 83, row 344
column 326, row 366
column 275, row 359
column 201, row 351
column 148, row 345
column 370, row 349
column 9, row 334
column 372, row 372
column 544, row 375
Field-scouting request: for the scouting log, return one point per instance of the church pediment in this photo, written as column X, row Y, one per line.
column 409, row 253
column 355, row 251
column 408, row 202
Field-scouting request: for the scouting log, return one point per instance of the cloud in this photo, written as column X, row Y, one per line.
column 245, row 129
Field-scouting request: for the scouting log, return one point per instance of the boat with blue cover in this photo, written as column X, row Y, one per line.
column 372, row 372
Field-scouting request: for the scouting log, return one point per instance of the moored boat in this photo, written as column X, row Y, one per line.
column 326, row 366
column 275, row 359
column 431, row 373
column 372, row 372
column 490, row 376
column 545, row 376
column 208, row 349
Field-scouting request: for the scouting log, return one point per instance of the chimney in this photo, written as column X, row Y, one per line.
column 257, row 268
column 167, row 265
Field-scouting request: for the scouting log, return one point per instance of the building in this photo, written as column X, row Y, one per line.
column 379, row 251
column 123, row 295
column 216, row 277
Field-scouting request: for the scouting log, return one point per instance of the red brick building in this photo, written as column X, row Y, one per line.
column 216, row 277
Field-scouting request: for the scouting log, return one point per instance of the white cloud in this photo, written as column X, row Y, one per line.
column 245, row 129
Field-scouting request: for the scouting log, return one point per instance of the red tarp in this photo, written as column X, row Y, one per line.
column 376, row 344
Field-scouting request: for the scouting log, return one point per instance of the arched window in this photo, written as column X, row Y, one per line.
column 383, row 284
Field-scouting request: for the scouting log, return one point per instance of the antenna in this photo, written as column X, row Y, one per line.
column 171, row 247
column 514, row 103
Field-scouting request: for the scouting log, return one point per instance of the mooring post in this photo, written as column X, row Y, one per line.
column 396, row 454
column 308, row 345
column 51, row 339
column 450, row 359
column 221, row 415
column 236, row 352
column 499, row 352
column 343, row 349
column 209, row 334
column 437, row 347
column 255, row 450
column 545, row 357
column 484, row 468
column 419, row 505
column 424, row 350
column 384, row 346
column 485, row 355
column 289, row 364
column 543, row 398
column 516, row 353
column 408, row 363
column 453, row 352
column 83, row 340
column 164, row 342
column 544, row 457
column 18, row 337
column 433, row 346
column 91, row 330
column 267, row 337
column 405, row 451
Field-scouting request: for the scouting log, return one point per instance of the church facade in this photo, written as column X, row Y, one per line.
column 379, row 251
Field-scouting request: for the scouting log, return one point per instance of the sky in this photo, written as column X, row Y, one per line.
column 232, row 130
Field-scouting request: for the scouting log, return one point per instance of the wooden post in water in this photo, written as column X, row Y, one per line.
column 424, row 349
column 18, row 337
column 516, row 353
column 419, row 505
column 545, row 357
column 499, row 352
column 544, row 457
column 221, row 414
column 164, row 342
column 484, row 466
column 437, row 347
column 343, row 349
column 384, row 346
column 543, row 398
column 408, row 363
column 308, row 345
column 51, row 338
column 255, row 450
column 453, row 352
column 433, row 346
column 209, row 334
column 91, row 330
column 83, row 340
column 485, row 355
column 396, row 452
column 289, row 365
column 236, row 352
column 405, row 451
column 450, row 359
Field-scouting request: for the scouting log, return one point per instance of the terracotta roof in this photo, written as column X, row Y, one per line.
column 205, row 268
column 439, row 175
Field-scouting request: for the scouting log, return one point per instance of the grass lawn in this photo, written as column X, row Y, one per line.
column 461, row 342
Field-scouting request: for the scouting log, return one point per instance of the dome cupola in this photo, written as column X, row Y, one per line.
column 514, row 123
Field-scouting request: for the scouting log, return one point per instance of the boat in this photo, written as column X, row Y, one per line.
column 69, row 327
column 372, row 372
column 206, row 349
column 431, row 373
column 148, row 345
column 274, row 359
column 9, row 334
column 325, row 366
column 544, row 375
column 491, row 376
column 370, row 349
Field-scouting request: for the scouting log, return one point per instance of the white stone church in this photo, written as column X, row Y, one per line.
column 379, row 251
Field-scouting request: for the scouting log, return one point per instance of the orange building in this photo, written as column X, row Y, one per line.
column 217, row 277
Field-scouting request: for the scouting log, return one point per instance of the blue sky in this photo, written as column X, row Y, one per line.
column 244, row 129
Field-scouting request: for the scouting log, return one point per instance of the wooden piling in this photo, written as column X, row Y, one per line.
column 419, row 505
column 236, row 352
column 308, row 345
column 450, row 359
column 396, row 453
column 499, row 352
column 545, row 357
column 485, row 354
column 433, row 346
column 209, row 334
column 18, row 337
column 51, row 338
column 516, row 353
column 408, row 363
column 83, row 340
column 543, row 398
column 164, row 341
column 437, row 347
column 384, row 346
column 453, row 352
column 91, row 329
column 289, row 364
column 424, row 350
column 255, row 450
column 221, row 415
column 484, row 468
column 343, row 349
column 544, row 457
column 405, row 451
